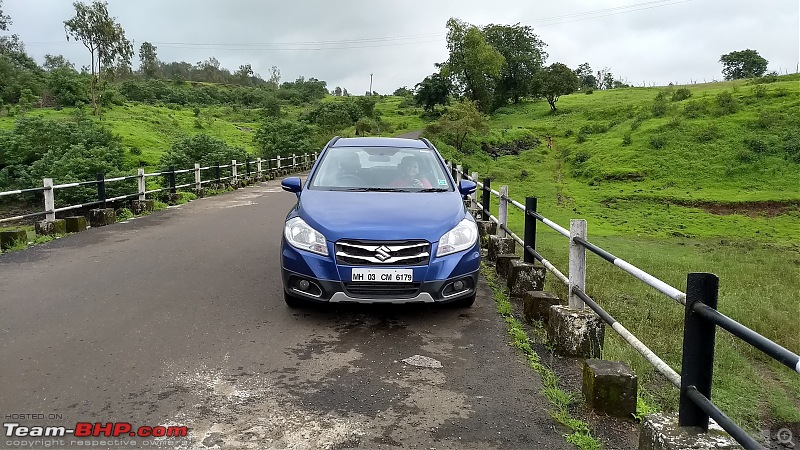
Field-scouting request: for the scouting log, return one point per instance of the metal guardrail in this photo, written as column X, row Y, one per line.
column 700, row 303
column 273, row 166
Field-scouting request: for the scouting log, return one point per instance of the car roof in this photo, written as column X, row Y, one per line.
column 379, row 142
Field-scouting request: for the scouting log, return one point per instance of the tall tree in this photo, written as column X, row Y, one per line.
column 433, row 90
column 743, row 64
column 461, row 120
column 244, row 75
column 148, row 60
column 524, row 55
column 585, row 76
column 274, row 77
column 473, row 63
column 554, row 81
column 103, row 37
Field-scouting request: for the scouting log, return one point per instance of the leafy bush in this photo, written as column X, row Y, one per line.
column 708, row 134
column 581, row 157
column 627, row 140
column 695, row 109
column 284, row 137
column 726, row 103
column 581, row 137
column 759, row 91
column 756, row 145
column 660, row 107
column 681, row 94
column 658, row 141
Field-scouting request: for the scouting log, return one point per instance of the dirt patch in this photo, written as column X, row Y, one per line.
column 750, row 209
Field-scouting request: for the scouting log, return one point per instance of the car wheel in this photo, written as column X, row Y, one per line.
column 465, row 302
column 292, row 301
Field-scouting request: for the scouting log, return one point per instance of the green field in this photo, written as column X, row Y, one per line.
column 674, row 198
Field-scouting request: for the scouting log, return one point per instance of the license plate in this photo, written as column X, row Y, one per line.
column 383, row 275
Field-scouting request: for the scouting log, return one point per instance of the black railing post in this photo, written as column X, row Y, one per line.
column 216, row 173
column 530, row 229
column 101, row 189
column 172, row 189
column 487, row 194
column 466, row 172
column 698, row 348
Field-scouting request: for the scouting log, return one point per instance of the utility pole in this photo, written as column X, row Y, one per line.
column 370, row 84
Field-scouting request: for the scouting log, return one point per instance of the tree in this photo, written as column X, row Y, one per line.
column 403, row 92
column 244, row 75
column 274, row 77
column 148, row 60
column 284, row 137
column 554, row 81
column 433, row 90
column 53, row 62
column 473, row 63
column 743, row 64
column 337, row 92
column 461, row 120
column 586, row 77
column 524, row 55
column 102, row 36
column 5, row 21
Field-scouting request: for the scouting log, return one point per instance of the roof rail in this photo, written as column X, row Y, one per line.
column 332, row 141
column 427, row 142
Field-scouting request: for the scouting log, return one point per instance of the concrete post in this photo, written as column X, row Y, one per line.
column 502, row 211
column 577, row 262
column 197, row 181
column 234, row 173
column 141, row 183
column 49, row 199
column 258, row 168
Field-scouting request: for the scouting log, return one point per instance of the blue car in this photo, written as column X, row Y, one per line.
column 379, row 220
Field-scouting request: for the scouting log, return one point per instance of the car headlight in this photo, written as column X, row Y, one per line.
column 461, row 237
column 300, row 235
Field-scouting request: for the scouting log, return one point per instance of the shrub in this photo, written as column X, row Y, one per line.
column 135, row 151
column 589, row 91
column 658, row 141
column 756, row 145
column 681, row 94
column 581, row 157
column 708, row 134
column 695, row 109
column 626, row 140
column 759, row 91
column 659, row 108
column 637, row 122
column 726, row 103
column 746, row 156
column 568, row 133
column 581, row 137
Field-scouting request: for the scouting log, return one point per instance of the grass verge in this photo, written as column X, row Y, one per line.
column 560, row 400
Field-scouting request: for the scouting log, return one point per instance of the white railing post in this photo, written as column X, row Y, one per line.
column 577, row 262
column 315, row 156
column 198, row 183
column 502, row 211
column 141, row 185
column 473, row 198
column 234, row 172
column 459, row 176
column 258, row 167
column 49, row 199
column 279, row 162
column 294, row 162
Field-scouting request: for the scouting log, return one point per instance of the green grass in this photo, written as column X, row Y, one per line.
column 560, row 400
column 652, row 207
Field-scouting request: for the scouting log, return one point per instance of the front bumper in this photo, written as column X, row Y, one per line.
column 318, row 278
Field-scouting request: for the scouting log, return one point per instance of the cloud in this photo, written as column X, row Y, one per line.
column 343, row 42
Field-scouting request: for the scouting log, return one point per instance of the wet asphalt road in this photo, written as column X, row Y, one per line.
column 177, row 319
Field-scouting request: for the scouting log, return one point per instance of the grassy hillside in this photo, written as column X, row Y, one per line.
column 705, row 184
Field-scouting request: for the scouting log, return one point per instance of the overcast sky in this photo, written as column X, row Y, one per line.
column 343, row 42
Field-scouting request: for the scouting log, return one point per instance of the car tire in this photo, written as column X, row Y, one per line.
column 292, row 301
column 465, row 302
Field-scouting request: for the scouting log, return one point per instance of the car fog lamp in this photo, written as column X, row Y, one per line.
column 458, row 285
column 303, row 284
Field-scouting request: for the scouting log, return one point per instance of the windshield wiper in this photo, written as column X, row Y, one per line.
column 434, row 190
column 376, row 189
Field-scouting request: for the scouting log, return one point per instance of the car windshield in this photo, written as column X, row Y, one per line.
column 383, row 169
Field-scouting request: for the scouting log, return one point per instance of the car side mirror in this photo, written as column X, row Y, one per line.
column 292, row 184
column 467, row 187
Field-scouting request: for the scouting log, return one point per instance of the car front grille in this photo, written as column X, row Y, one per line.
column 381, row 290
column 383, row 253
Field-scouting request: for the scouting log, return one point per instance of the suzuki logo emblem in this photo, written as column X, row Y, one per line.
column 382, row 253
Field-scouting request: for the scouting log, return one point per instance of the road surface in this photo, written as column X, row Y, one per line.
column 177, row 319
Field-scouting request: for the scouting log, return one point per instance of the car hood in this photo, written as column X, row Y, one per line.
column 381, row 215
